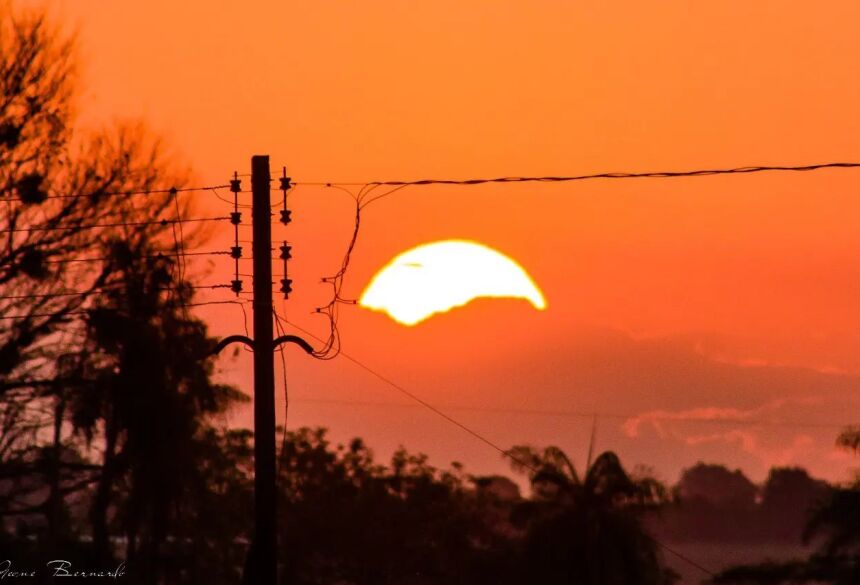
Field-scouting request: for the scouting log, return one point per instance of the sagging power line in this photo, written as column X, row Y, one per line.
column 91, row 226
column 88, row 312
column 604, row 175
column 264, row 343
column 667, row 417
column 502, row 451
column 95, row 195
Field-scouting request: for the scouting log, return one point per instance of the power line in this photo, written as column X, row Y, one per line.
column 281, row 331
column 365, row 196
column 98, row 194
column 480, row 437
column 100, row 292
column 162, row 222
column 417, row 399
column 144, row 256
column 179, row 247
column 37, row 315
column 681, row 556
column 207, row 303
column 607, row 175
column 668, row 417
column 611, row 175
column 54, row 295
column 111, row 289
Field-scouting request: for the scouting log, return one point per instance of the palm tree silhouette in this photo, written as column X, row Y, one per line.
column 587, row 529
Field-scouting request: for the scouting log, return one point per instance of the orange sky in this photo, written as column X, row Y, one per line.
column 671, row 296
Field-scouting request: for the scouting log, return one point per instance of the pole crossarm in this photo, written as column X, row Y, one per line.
column 292, row 339
column 219, row 347
column 233, row 339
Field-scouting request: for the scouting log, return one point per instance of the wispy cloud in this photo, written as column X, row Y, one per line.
column 741, row 429
column 660, row 420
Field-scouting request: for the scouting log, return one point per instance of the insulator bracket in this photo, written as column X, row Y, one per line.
column 286, row 287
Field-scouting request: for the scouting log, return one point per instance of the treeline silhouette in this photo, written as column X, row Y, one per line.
column 112, row 449
column 345, row 518
column 714, row 504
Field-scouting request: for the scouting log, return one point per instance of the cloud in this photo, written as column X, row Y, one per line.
column 749, row 431
column 659, row 419
column 660, row 401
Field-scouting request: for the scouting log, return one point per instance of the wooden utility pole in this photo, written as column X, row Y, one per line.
column 265, row 571
column 261, row 564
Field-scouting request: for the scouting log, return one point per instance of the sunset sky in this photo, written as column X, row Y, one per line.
column 693, row 298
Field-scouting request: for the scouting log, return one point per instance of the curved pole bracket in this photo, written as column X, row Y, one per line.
column 293, row 339
column 233, row 339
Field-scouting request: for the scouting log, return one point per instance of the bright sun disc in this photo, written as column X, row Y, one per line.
column 439, row 276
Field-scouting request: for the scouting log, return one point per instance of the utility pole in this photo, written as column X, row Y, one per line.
column 261, row 564
column 264, row 375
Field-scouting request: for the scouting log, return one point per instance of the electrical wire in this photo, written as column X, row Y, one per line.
column 281, row 331
column 127, row 193
column 179, row 247
column 145, row 256
column 240, row 303
column 422, row 402
column 504, row 452
column 162, row 222
column 227, row 201
column 36, row 315
column 605, row 175
column 331, row 346
column 367, row 194
column 103, row 291
column 666, row 417
column 618, row 175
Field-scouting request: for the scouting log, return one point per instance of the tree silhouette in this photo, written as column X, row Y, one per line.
column 587, row 529
column 95, row 335
column 834, row 523
column 148, row 385
column 54, row 184
column 788, row 496
column 849, row 439
column 714, row 503
column 348, row 519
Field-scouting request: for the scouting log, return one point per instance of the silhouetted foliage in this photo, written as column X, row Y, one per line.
column 717, row 486
column 147, row 387
column 350, row 520
column 715, row 504
column 849, row 439
column 834, row 524
column 55, row 183
column 787, row 498
column 105, row 383
column 588, row 529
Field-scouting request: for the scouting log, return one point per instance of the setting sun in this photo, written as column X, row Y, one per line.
column 439, row 276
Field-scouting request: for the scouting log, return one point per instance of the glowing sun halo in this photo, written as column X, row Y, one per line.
column 439, row 276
